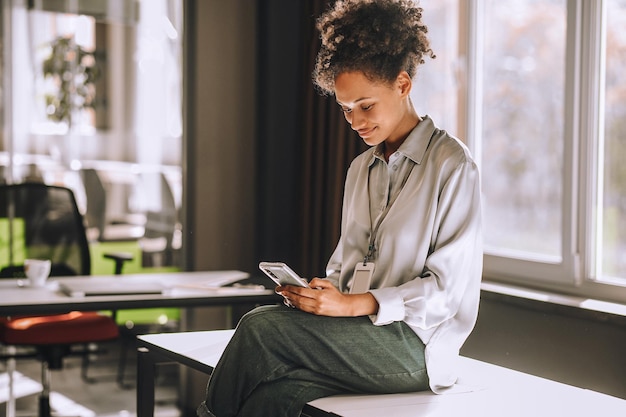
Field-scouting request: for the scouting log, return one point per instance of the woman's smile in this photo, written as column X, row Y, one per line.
column 366, row 133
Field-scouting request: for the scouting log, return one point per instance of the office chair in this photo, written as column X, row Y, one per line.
column 99, row 225
column 44, row 222
column 153, row 234
column 161, row 241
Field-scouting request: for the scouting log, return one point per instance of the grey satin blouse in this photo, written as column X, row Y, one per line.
column 428, row 247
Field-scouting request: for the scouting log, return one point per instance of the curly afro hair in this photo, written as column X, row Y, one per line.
column 380, row 38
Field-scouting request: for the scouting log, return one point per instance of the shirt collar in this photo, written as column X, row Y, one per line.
column 415, row 145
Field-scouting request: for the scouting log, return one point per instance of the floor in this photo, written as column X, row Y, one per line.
column 71, row 396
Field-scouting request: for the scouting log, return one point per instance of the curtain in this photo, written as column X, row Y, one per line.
column 328, row 147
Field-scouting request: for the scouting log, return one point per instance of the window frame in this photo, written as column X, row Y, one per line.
column 576, row 273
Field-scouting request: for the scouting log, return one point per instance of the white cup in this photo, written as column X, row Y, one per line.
column 37, row 271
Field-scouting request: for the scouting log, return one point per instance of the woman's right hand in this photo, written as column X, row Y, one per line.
column 324, row 299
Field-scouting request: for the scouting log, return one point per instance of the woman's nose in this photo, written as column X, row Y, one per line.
column 357, row 120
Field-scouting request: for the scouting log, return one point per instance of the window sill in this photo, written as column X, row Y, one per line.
column 550, row 302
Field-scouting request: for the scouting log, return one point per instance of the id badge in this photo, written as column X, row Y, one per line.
column 362, row 278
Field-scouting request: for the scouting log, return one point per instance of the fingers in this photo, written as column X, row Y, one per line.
column 294, row 297
column 308, row 299
column 289, row 294
column 321, row 283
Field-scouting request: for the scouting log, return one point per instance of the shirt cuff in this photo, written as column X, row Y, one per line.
column 390, row 306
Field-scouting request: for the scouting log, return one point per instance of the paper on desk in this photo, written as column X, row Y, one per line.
column 219, row 281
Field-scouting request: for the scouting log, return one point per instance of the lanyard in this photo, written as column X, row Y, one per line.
column 371, row 248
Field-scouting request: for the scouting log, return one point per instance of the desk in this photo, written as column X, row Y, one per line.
column 186, row 291
column 484, row 389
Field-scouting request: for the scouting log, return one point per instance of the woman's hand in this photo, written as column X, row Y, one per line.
column 324, row 299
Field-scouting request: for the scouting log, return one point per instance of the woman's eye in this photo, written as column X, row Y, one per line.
column 363, row 108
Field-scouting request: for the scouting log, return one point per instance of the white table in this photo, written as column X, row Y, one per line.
column 484, row 389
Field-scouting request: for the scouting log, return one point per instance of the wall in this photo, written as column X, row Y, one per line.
column 585, row 352
column 220, row 124
column 219, row 153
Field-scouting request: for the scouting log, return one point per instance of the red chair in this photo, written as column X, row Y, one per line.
column 44, row 222
column 52, row 337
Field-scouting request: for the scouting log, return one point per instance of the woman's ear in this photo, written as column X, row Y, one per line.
column 404, row 83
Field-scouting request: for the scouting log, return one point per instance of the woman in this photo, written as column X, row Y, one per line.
column 410, row 241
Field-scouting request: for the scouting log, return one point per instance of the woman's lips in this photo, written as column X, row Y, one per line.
column 365, row 132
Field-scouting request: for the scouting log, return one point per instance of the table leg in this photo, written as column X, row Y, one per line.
column 11, row 373
column 146, row 364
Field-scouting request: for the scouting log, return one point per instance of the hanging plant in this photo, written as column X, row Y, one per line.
column 74, row 73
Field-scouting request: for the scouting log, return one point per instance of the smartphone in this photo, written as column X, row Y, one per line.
column 281, row 274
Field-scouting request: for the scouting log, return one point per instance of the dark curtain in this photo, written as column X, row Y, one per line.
column 328, row 147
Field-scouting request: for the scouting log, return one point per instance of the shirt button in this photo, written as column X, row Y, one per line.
column 395, row 167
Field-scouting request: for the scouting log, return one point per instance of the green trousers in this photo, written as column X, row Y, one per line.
column 280, row 358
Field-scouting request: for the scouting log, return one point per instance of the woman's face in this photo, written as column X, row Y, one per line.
column 375, row 110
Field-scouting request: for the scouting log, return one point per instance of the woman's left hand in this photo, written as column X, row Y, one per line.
column 324, row 299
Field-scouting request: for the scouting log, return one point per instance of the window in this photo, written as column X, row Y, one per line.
column 125, row 116
column 126, row 122
column 535, row 87
column 612, row 245
column 438, row 80
column 522, row 136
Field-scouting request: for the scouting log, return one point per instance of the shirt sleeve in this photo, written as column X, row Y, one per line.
column 333, row 268
column 453, row 263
